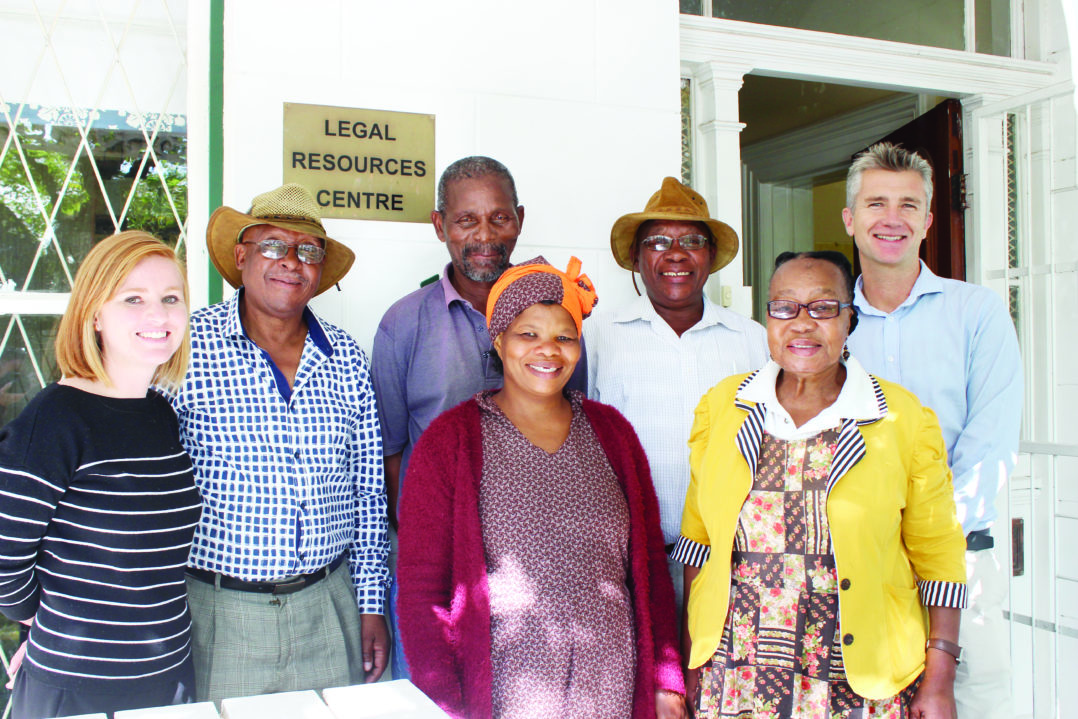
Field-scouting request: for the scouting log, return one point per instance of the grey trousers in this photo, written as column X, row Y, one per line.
column 677, row 575
column 247, row 643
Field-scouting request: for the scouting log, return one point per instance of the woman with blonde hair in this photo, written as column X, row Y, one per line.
column 99, row 499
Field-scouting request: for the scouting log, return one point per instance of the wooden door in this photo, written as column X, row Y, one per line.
column 937, row 137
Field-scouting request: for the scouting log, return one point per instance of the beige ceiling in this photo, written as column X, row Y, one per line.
column 770, row 106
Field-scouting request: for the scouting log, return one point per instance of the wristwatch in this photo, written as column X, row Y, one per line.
column 945, row 646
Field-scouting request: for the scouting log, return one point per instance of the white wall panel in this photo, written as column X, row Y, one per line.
column 579, row 99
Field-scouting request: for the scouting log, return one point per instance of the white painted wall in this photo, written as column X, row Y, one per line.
column 579, row 99
column 113, row 56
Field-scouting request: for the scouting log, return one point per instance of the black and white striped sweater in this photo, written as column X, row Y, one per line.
column 97, row 510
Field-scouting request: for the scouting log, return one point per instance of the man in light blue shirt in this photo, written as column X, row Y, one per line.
column 954, row 345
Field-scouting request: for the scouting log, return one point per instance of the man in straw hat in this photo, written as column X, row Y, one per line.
column 431, row 351
column 278, row 415
column 654, row 358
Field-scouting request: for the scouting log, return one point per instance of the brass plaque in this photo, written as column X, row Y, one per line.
column 362, row 164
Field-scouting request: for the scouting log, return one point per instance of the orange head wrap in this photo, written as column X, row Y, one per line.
column 534, row 281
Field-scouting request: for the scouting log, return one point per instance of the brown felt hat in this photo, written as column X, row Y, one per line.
column 673, row 201
column 290, row 207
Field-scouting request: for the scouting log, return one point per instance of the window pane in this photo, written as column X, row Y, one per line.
column 686, row 132
column 27, row 360
column 52, row 208
column 1010, row 138
column 993, row 21
column 936, row 23
column 692, row 7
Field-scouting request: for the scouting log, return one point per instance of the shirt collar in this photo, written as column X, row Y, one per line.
column 927, row 283
column 450, row 292
column 857, row 400
column 642, row 309
column 234, row 327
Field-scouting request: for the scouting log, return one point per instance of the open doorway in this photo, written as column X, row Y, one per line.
column 796, row 146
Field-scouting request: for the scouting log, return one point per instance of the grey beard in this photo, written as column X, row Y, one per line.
column 474, row 274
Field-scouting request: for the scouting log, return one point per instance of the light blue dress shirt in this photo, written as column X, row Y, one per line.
column 953, row 345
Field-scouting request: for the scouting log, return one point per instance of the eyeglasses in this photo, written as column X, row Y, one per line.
column 276, row 249
column 662, row 243
column 817, row 310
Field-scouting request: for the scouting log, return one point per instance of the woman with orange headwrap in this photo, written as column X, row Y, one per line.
column 533, row 580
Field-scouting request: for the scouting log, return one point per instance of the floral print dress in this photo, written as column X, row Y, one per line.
column 781, row 652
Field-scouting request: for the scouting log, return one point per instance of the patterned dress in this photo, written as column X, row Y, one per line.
column 556, row 535
column 781, row 651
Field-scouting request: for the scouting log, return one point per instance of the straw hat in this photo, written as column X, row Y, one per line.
column 290, row 207
column 674, row 201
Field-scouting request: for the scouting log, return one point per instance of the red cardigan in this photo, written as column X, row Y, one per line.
column 444, row 605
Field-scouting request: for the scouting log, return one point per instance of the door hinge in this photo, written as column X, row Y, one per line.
column 958, row 193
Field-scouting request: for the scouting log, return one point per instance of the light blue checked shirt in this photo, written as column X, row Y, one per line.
column 953, row 345
column 290, row 478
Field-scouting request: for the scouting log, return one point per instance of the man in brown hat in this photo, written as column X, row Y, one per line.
column 278, row 415
column 654, row 358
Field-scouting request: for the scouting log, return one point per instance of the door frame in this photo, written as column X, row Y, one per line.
column 716, row 54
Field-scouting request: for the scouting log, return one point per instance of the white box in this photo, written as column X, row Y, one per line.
column 399, row 699
column 201, row 710
column 286, row 705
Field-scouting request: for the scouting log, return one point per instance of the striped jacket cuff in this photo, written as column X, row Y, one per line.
column 943, row 594
column 689, row 552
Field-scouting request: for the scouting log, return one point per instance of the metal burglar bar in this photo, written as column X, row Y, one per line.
column 93, row 140
column 1024, row 189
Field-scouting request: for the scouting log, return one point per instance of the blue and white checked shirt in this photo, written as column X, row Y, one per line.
column 289, row 479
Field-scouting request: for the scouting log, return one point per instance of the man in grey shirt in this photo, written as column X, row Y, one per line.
column 431, row 350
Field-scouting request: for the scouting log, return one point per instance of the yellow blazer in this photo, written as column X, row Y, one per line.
column 891, row 511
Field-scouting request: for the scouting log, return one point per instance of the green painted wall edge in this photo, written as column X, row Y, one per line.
column 217, row 130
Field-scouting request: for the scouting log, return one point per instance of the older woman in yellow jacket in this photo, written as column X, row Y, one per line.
column 818, row 526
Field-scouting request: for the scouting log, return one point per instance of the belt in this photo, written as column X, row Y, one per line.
column 978, row 540
column 283, row 587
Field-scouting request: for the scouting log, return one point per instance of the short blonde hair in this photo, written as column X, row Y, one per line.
column 78, row 346
column 893, row 158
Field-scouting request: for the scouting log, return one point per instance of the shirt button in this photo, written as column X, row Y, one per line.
column 296, row 454
column 845, row 584
column 890, row 358
column 847, row 639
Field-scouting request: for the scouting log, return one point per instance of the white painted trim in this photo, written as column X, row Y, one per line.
column 34, row 303
column 969, row 31
column 1015, row 273
column 1049, row 448
column 828, row 57
column 198, row 166
column 1007, row 104
column 826, row 147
